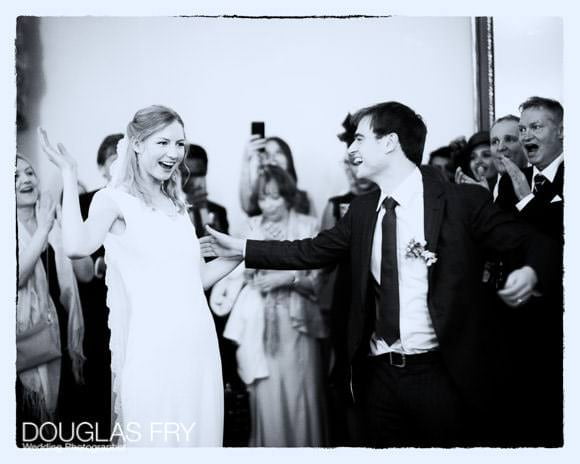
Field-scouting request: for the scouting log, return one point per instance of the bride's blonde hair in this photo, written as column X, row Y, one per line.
column 145, row 123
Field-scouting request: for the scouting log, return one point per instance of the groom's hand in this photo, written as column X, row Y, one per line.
column 519, row 287
column 221, row 245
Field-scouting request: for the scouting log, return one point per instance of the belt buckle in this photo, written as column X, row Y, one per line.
column 403, row 361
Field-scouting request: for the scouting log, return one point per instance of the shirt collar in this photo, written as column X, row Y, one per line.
column 405, row 191
column 549, row 172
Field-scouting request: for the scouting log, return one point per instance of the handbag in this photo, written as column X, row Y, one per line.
column 36, row 346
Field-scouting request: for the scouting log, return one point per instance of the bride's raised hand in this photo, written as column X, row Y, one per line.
column 59, row 155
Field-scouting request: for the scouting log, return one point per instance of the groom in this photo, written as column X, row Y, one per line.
column 419, row 337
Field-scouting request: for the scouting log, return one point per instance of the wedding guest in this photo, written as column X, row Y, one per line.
column 505, row 143
column 442, row 159
column 537, row 191
column 476, row 163
column 536, row 195
column 49, row 320
column 258, row 153
column 277, row 324
column 202, row 211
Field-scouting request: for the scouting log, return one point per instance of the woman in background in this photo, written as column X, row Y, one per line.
column 48, row 310
column 476, row 164
column 261, row 152
column 278, row 326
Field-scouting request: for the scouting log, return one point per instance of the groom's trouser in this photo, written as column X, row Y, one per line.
column 414, row 405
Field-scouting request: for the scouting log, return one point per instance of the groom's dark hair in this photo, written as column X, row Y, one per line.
column 392, row 116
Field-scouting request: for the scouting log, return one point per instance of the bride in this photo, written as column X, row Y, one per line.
column 166, row 370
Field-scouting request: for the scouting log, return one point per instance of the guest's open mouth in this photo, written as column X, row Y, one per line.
column 26, row 189
column 480, row 169
column 531, row 148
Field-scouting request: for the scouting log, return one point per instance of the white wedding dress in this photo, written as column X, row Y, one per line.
column 167, row 383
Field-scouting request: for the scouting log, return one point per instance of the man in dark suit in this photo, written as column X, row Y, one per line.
column 535, row 194
column 505, row 143
column 537, row 191
column 418, row 338
column 202, row 210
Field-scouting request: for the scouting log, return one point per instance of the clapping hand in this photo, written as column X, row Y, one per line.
column 59, row 155
column 217, row 244
column 462, row 178
column 519, row 287
column 519, row 181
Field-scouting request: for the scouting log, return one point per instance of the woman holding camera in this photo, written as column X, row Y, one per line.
column 260, row 152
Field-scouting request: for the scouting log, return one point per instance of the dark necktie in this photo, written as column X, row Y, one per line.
column 388, row 317
column 539, row 182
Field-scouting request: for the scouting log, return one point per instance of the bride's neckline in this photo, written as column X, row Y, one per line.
column 170, row 214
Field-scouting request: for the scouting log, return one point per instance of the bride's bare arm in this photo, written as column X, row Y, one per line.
column 84, row 238
column 216, row 270
column 79, row 238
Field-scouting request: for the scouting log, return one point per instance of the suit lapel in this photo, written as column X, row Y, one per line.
column 433, row 209
column 368, row 224
column 559, row 180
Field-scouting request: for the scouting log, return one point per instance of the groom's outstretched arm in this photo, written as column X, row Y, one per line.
column 327, row 248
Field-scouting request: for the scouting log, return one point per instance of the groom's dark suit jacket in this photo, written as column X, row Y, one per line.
column 460, row 223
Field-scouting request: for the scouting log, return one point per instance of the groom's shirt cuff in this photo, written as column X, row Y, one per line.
column 244, row 248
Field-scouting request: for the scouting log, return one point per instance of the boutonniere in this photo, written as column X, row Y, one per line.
column 417, row 249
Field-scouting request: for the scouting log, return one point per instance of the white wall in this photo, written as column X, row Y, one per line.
column 299, row 76
column 528, row 61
